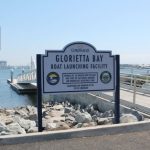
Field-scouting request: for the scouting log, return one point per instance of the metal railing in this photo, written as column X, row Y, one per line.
column 136, row 83
column 27, row 77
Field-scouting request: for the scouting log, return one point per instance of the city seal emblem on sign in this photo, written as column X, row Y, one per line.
column 53, row 78
column 105, row 77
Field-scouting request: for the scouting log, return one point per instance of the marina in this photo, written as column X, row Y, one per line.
column 26, row 84
column 24, row 92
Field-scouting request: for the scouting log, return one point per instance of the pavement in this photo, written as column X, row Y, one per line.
column 141, row 99
column 127, row 141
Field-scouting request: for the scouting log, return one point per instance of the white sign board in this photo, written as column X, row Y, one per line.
column 79, row 67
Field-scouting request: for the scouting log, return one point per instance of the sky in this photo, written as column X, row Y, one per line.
column 28, row 27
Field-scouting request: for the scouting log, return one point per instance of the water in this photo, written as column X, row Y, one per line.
column 135, row 71
column 8, row 97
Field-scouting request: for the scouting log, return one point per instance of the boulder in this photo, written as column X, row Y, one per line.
column 3, row 127
column 79, row 125
column 62, row 126
column 46, row 104
column 51, row 126
column 46, row 121
column 45, row 113
column 104, row 121
column 139, row 116
column 108, row 114
column 83, row 117
column 32, row 130
column 90, row 124
column 68, row 109
column 9, row 120
column 23, row 112
column 32, row 116
column 90, row 108
column 5, row 133
column 47, row 117
column 66, row 104
column 127, row 118
column 56, row 113
column 77, row 106
column 26, row 124
column 58, row 107
column 58, row 119
column 97, row 113
column 70, row 120
column 10, row 111
column 6, row 119
column 15, row 128
column 31, row 110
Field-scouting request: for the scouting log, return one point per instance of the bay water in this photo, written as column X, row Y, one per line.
column 8, row 97
column 135, row 71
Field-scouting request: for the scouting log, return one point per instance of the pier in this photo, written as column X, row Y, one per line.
column 25, row 83
column 23, row 88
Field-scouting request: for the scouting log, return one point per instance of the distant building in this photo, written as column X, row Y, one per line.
column 32, row 67
column 3, row 64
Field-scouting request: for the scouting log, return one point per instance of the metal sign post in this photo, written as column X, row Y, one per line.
column 117, row 89
column 39, row 92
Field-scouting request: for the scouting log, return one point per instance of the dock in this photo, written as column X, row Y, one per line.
column 23, row 88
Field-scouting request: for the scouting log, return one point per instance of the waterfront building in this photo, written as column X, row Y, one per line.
column 3, row 64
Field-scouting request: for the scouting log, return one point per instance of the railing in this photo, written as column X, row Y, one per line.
column 137, row 92
column 27, row 77
column 128, row 81
column 136, row 83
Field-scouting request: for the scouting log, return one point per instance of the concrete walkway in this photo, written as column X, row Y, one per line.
column 141, row 99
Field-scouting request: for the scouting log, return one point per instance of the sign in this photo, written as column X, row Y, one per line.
column 79, row 67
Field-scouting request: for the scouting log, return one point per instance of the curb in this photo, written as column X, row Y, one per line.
column 75, row 133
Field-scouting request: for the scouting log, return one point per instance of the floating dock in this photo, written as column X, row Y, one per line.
column 23, row 88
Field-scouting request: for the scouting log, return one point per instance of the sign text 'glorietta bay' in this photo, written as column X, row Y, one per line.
column 79, row 67
column 78, row 62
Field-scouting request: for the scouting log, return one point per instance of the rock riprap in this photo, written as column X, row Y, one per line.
column 58, row 116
